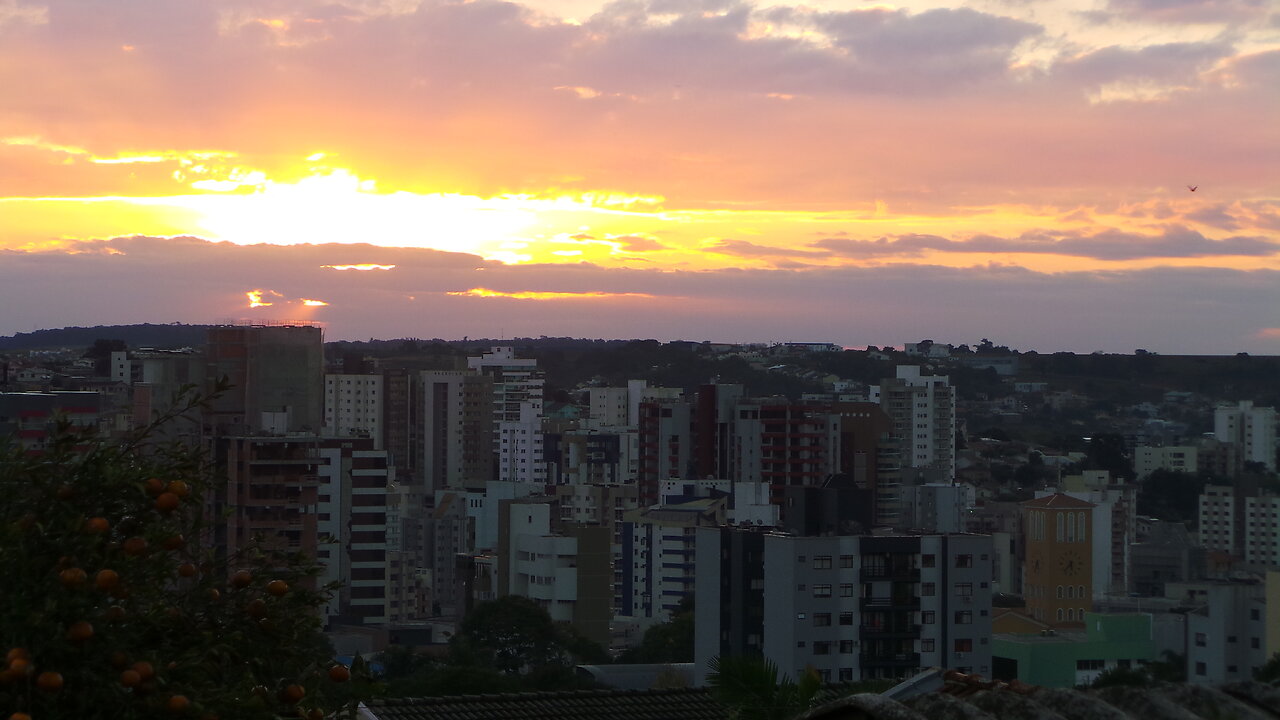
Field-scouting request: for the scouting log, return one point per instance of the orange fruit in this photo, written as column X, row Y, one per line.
column 339, row 673
column 135, row 546
column 256, row 608
column 174, row 542
column 187, row 570
column 106, row 579
column 154, row 486
column 315, row 714
column 293, row 694
column 179, row 488
column 16, row 653
column 19, row 666
column 167, row 502
column 73, row 577
column 66, row 491
column 177, row 704
column 241, row 579
column 19, row 716
column 144, row 669
column 130, row 678
column 119, row 660
column 115, row 613
column 96, row 525
column 80, row 631
column 214, row 595
column 49, row 681
column 278, row 587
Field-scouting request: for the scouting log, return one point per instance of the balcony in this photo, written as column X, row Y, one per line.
column 890, row 631
column 904, row 573
column 898, row 602
column 899, row 660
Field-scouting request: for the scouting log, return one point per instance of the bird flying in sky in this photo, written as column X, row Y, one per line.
column 1192, row 188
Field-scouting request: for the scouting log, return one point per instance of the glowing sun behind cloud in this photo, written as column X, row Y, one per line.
column 339, row 207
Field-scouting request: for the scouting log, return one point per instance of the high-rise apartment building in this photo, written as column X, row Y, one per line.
column 1251, row 429
column 923, row 410
column 850, row 607
column 457, row 429
column 353, row 406
column 275, row 376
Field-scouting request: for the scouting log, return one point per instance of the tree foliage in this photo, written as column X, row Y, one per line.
column 506, row 645
column 753, row 688
column 668, row 642
column 118, row 605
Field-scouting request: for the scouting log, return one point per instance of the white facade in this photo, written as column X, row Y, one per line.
column 352, row 515
column 850, row 607
column 520, row 447
column 923, row 409
column 1177, row 458
column 353, row 406
column 609, row 407
column 516, row 381
column 1262, row 530
column 1252, row 429
column 1216, row 518
column 543, row 567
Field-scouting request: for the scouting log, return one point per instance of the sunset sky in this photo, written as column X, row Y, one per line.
column 838, row 171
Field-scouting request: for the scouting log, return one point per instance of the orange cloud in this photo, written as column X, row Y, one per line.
column 536, row 295
column 256, row 298
column 313, row 303
column 359, row 266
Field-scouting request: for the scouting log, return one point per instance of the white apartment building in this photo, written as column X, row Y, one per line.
column 351, row 514
column 850, row 607
column 1252, row 429
column 1175, row 458
column 923, row 408
column 657, row 558
column 520, row 447
column 353, row 406
column 1216, row 518
column 1262, row 530
column 515, row 381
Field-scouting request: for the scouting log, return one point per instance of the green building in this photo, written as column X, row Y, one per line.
column 1067, row 658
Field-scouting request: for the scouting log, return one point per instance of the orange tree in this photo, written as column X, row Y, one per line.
column 118, row 603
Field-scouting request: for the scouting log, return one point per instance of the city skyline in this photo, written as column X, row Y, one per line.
column 1057, row 175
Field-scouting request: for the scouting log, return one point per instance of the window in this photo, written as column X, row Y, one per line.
column 822, row 562
column 1200, row 669
column 928, row 589
column 846, row 561
column 800, row 643
column 1060, row 615
column 846, row 590
column 822, row 619
column 846, row 618
column 821, row 647
column 928, row 617
column 846, row 674
column 964, row 561
column 822, row 591
column 927, row 645
column 927, row 561
column 1254, row 643
column 1231, row 638
column 846, row 647
column 801, row 616
column 963, row 645
column 1232, row 669
column 1254, row 614
column 1060, row 595
column 1200, row 639
column 964, row 589
column 1090, row 664
column 964, row 617
column 800, row 587
column 1080, row 592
